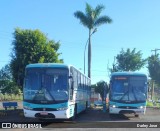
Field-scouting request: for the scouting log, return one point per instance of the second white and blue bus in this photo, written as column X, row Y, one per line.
column 55, row 91
column 128, row 93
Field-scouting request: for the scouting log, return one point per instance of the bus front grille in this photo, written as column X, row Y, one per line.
column 127, row 112
column 127, row 107
column 49, row 116
column 44, row 109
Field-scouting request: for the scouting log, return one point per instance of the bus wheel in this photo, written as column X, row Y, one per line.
column 136, row 115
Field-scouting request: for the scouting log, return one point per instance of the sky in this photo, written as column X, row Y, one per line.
column 136, row 24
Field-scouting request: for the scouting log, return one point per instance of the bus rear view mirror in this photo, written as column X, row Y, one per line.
column 70, row 77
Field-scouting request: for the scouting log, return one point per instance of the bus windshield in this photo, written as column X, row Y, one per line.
column 129, row 89
column 46, row 84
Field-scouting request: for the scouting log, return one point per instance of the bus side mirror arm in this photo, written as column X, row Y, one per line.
column 72, row 83
column 70, row 77
column 72, row 88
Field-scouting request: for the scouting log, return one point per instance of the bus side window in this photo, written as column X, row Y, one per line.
column 75, row 79
column 85, row 87
column 71, row 84
column 79, row 80
column 82, row 82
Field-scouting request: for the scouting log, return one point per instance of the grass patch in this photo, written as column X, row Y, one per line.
column 149, row 104
column 158, row 105
column 11, row 97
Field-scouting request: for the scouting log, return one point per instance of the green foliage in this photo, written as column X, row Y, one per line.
column 8, row 96
column 91, row 18
column 149, row 104
column 154, row 68
column 129, row 60
column 5, row 73
column 6, row 83
column 31, row 46
column 99, row 88
column 10, row 88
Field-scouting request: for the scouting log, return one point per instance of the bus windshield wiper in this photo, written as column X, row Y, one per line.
column 50, row 94
column 134, row 93
column 43, row 91
column 39, row 92
column 124, row 95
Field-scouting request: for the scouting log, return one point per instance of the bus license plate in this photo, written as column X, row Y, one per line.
column 138, row 111
column 44, row 113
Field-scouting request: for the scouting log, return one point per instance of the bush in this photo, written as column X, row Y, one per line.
column 11, row 88
column 7, row 97
column 149, row 104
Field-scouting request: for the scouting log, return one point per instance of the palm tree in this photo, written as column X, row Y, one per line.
column 92, row 19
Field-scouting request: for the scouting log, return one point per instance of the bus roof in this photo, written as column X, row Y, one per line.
column 53, row 65
column 56, row 65
column 128, row 73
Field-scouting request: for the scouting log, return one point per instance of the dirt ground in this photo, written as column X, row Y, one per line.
column 11, row 115
column 17, row 115
column 93, row 114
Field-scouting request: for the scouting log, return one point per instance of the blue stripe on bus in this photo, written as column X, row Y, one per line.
column 128, row 74
column 125, row 104
column 31, row 105
column 56, row 65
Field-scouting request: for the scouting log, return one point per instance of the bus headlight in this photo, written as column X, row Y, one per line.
column 63, row 108
column 141, row 107
column 27, row 108
column 114, row 106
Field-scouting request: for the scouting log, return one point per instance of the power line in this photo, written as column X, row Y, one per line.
column 68, row 44
column 155, row 50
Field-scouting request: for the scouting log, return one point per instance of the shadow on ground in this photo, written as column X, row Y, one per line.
column 14, row 116
column 91, row 115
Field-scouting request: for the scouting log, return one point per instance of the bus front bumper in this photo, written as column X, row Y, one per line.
column 46, row 115
column 115, row 110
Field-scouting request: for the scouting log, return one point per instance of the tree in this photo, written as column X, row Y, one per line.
column 6, row 83
column 5, row 77
column 11, row 88
column 91, row 19
column 5, row 73
column 99, row 88
column 154, row 68
column 31, row 46
column 129, row 60
column 114, row 67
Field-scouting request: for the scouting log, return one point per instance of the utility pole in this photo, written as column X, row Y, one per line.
column 104, row 96
column 155, row 50
column 152, row 90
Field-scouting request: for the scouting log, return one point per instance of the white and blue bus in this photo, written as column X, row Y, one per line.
column 128, row 93
column 55, row 91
